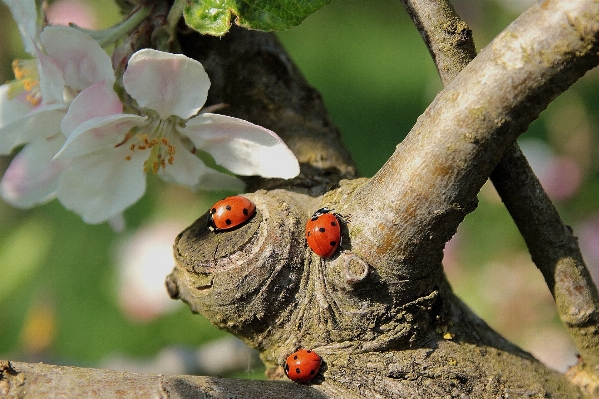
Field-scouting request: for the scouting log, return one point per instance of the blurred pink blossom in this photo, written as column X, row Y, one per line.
column 69, row 11
column 143, row 261
column 562, row 179
column 560, row 176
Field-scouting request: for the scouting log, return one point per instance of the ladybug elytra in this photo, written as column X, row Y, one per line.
column 303, row 365
column 230, row 212
column 323, row 233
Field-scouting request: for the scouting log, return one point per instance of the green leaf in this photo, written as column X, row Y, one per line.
column 213, row 17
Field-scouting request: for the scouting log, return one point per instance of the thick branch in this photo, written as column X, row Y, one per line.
column 382, row 300
column 37, row 380
column 552, row 245
column 460, row 138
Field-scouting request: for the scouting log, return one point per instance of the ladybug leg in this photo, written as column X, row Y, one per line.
column 210, row 224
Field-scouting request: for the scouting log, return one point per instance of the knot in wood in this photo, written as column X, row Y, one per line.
column 242, row 279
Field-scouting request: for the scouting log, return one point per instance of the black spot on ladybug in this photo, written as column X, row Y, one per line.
column 333, row 223
column 333, row 243
column 228, row 207
column 308, row 351
column 322, row 229
column 228, row 221
column 295, row 358
column 297, row 370
column 309, row 233
column 246, row 211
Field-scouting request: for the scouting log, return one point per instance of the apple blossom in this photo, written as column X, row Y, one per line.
column 110, row 153
column 32, row 106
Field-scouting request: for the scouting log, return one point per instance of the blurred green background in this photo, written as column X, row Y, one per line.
column 76, row 294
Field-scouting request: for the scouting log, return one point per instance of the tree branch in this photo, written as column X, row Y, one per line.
column 447, row 37
column 383, row 298
column 431, row 181
column 555, row 251
column 371, row 311
column 552, row 246
column 38, row 380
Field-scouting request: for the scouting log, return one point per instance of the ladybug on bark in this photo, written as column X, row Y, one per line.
column 230, row 212
column 323, row 233
column 303, row 365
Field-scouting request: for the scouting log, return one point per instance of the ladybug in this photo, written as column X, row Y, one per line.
column 230, row 212
column 302, row 366
column 323, row 233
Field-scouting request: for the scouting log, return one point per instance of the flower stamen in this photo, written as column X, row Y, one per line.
column 26, row 81
column 153, row 139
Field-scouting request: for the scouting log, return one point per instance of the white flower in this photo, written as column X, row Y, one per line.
column 110, row 153
column 32, row 106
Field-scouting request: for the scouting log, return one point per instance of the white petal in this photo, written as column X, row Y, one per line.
column 101, row 185
column 97, row 100
column 32, row 177
column 41, row 123
column 170, row 84
column 188, row 170
column 51, row 79
column 25, row 14
column 12, row 109
column 81, row 59
column 242, row 147
column 103, row 132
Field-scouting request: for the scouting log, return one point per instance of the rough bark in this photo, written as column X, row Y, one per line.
column 380, row 312
column 552, row 245
column 38, row 380
column 384, row 297
column 554, row 249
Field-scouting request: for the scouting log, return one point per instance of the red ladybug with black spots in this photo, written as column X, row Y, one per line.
column 303, row 365
column 230, row 212
column 323, row 233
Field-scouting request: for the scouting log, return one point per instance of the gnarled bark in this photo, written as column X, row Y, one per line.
column 551, row 243
column 380, row 312
column 395, row 227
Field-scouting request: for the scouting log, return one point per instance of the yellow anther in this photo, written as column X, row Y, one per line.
column 151, row 137
column 33, row 99
column 27, row 81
